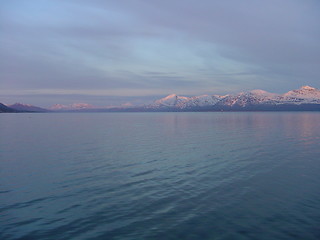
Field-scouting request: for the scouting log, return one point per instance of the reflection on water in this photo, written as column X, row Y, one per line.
column 160, row 176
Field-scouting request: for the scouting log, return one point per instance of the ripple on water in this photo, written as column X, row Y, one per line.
column 163, row 176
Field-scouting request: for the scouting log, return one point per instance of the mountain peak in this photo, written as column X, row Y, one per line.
column 307, row 88
column 72, row 106
column 21, row 104
column 27, row 107
column 304, row 95
column 170, row 96
column 171, row 100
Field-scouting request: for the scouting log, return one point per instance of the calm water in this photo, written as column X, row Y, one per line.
column 160, row 176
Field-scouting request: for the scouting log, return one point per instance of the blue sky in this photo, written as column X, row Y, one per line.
column 109, row 52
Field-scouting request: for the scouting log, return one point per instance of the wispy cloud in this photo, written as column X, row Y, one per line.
column 143, row 48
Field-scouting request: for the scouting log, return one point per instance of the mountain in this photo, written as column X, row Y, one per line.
column 202, row 101
column 305, row 98
column 27, row 108
column 170, row 101
column 6, row 109
column 248, row 98
column 74, row 106
column 304, row 95
column 185, row 102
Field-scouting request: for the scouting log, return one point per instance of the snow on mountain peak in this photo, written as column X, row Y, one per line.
column 305, row 94
column 258, row 91
column 171, row 100
column 71, row 106
column 307, row 88
column 305, row 91
column 81, row 105
column 261, row 92
column 203, row 100
column 171, row 96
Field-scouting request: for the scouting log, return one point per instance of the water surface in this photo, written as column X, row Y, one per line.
column 160, row 176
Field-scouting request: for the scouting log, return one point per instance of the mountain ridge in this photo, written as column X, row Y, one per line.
column 306, row 98
column 6, row 109
column 27, row 108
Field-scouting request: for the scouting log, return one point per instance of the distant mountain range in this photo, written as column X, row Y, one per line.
column 304, row 99
column 74, row 106
column 27, row 108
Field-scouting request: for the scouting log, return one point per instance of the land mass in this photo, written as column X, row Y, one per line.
column 304, row 99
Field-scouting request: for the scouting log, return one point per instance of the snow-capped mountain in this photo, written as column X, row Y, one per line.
column 305, row 94
column 170, row 101
column 305, row 98
column 249, row 98
column 254, row 98
column 185, row 102
column 74, row 106
column 202, row 101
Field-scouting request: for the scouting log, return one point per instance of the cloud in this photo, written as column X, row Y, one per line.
column 187, row 47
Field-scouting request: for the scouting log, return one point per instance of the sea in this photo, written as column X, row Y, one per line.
column 196, row 175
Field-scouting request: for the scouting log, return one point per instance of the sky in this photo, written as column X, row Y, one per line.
column 109, row 52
